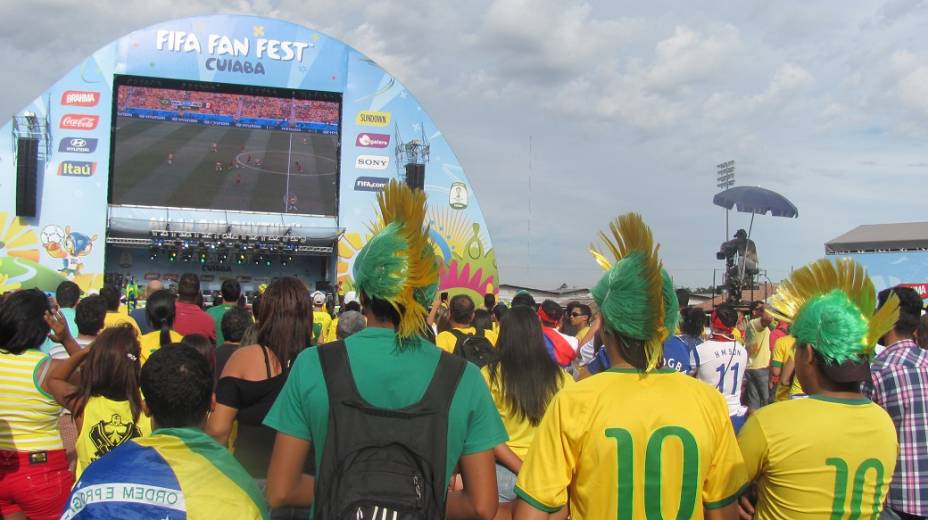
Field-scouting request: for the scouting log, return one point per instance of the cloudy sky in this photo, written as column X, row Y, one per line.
column 628, row 107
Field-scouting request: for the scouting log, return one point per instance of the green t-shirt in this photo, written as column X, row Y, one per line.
column 387, row 378
column 217, row 313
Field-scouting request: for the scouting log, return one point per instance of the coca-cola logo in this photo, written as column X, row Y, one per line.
column 79, row 121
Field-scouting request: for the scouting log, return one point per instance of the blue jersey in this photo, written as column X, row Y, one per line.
column 677, row 355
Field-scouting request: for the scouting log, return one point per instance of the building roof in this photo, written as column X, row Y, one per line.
column 762, row 292
column 561, row 295
column 881, row 237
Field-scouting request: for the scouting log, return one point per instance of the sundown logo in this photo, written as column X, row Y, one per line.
column 373, row 118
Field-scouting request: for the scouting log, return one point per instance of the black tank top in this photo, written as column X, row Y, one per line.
column 252, row 399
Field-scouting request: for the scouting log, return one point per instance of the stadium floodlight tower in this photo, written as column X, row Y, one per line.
column 413, row 155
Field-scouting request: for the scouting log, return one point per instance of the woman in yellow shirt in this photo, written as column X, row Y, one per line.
column 160, row 312
column 106, row 404
column 522, row 381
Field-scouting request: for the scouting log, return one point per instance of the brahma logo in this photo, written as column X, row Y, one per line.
column 372, row 162
column 76, row 168
column 79, row 121
column 373, row 118
column 77, row 145
column 80, row 98
column 373, row 140
column 370, row 183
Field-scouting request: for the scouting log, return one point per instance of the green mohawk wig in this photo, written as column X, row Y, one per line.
column 832, row 307
column 636, row 295
column 398, row 264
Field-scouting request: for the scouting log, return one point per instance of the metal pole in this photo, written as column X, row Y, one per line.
column 741, row 271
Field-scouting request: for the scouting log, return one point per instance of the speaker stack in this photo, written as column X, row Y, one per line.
column 27, row 165
column 415, row 176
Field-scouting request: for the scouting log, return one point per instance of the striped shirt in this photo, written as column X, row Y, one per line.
column 29, row 414
column 900, row 385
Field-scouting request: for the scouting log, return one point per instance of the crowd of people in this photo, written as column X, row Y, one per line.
column 412, row 403
column 230, row 105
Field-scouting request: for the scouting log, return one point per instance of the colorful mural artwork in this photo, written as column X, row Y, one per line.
column 75, row 121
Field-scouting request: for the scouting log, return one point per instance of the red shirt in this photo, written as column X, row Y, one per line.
column 191, row 319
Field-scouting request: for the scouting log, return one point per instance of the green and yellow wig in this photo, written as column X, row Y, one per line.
column 636, row 296
column 398, row 264
column 832, row 307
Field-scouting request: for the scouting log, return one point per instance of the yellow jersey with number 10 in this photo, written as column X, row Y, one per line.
column 626, row 445
column 820, row 458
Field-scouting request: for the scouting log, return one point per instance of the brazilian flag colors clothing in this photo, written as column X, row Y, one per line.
column 820, row 458
column 623, row 444
column 173, row 474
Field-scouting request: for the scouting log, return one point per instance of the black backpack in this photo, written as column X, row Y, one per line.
column 380, row 463
column 475, row 348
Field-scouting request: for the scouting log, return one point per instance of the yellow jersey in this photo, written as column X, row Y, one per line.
column 331, row 333
column 820, row 457
column 784, row 351
column 152, row 341
column 520, row 430
column 758, row 344
column 112, row 319
column 28, row 414
column 446, row 340
column 321, row 322
column 105, row 425
column 622, row 444
column 582, row 333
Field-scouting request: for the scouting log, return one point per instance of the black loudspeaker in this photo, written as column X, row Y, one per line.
column 27, row 165
column 415, row 176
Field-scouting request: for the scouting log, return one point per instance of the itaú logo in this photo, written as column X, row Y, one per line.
column 79, row 121
column 76, row 168
column 372, row 162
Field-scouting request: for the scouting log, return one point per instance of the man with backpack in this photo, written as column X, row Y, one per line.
column 464, row 339
column 390, row 415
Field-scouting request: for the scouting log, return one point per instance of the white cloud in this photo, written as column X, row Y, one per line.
column 689, row 55
column 630, row 106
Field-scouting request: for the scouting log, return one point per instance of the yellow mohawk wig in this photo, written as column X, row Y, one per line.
column 832, row 306
column 398, row 263
column 636, row 295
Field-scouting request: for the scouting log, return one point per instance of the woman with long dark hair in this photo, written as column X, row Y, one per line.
column 160, row 311
column 522, row 381
column 34, row 474
column 106, row 404
column 254, row 374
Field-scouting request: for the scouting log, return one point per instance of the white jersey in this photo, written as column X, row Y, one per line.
column 722, row 365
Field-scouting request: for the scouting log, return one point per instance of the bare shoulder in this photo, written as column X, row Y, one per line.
column 245, row 361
